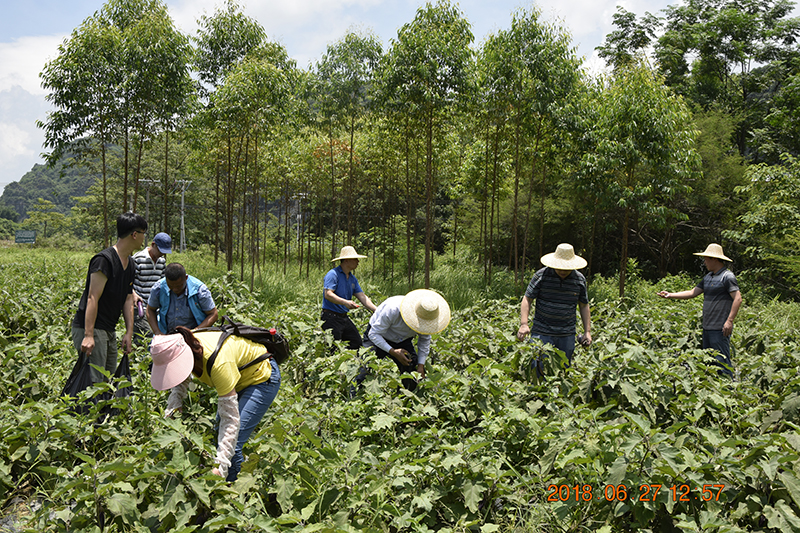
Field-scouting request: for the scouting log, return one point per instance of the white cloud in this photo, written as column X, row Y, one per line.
column 14, row 142
column 21, row 61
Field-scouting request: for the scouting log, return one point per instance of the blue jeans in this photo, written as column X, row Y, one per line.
column 715, row 340
column 253, row 403
column 565, row 344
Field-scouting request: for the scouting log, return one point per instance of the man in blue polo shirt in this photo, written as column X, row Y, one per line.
column 339, row 288
column 557, row 288
column 179, row 300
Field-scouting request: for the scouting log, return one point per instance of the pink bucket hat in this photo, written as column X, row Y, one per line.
column 172, row 361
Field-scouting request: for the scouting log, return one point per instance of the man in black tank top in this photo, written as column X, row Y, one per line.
column 107, row 294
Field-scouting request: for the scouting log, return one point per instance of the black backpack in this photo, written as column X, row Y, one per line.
column 276, row 344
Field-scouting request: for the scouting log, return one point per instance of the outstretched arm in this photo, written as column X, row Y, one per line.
column 228, row 410
column 683, row 295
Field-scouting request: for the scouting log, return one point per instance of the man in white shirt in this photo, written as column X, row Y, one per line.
column 398, row 320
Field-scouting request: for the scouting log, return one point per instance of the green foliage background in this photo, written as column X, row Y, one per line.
column 475, row 449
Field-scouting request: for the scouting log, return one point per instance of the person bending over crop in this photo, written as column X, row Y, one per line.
column 721, row 302
column 246, row 383
column 180, row 300
column 557, row 288
column 398, row 320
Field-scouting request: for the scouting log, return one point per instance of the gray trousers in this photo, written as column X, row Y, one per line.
column 104, row 353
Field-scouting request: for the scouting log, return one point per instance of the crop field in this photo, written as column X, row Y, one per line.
column 638, row 434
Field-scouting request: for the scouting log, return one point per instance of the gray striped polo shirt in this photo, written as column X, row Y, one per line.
column 556, row 301
column 717, row 301
column 147, row 272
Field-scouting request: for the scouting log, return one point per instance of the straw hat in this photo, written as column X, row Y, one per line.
column 348, row 252
column 172, row 361
column 425, row 311
column 563, row 258
column 714, row 250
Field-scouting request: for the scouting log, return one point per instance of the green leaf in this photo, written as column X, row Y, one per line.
column 629, row 391
column 284, row 490
column 792, row 485
column 201, row 490
column 472, row 495
column 617, row 471
column 121, row 504
column 383, row 421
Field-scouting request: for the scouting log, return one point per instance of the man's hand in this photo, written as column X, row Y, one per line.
column 421, row 370
column 727, row 329
column 87, row 345
column 401, row 355
column 523, row 332
column 586, row 340
column 127, row 343
column 350, row 304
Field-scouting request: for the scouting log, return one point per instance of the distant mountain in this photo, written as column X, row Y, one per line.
column 59, row 184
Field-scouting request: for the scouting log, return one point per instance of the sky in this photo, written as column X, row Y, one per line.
column 31, row 30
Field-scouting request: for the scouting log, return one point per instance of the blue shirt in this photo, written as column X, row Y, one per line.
column 342, row 286
column 179, row 313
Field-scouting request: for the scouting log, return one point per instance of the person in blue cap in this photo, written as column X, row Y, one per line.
column 149, row 265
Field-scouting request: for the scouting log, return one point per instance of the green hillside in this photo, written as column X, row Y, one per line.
column 59, row 183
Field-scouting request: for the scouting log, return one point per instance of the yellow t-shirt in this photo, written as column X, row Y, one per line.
column 235, row 352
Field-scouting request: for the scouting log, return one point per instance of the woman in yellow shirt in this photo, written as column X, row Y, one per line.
column 245, row 390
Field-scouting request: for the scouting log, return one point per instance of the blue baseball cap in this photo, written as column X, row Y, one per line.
column 163, row 242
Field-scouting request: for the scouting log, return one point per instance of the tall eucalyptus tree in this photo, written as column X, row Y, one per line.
column 529, row 74
column 83, row 83
column 345, row 76
column 642, row 149
column 222, row 41
column 428, row 69
column 123, row 72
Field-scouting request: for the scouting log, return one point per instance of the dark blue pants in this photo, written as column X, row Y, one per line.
column 715, row 340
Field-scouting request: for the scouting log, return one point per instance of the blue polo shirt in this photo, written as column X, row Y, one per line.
column 342, row 285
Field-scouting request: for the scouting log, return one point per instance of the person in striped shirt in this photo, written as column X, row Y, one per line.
column 721, row 302
column 558, row 289
column 149, row 267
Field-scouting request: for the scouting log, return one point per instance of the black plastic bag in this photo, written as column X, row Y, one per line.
column 80, row 379
column 123, row 373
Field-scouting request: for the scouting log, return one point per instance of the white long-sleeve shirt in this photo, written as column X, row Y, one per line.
column 387, row 324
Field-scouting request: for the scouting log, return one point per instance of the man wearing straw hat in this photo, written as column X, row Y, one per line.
column 399, row 319
column 721, row 302
column 557, row 288
column 338, row 289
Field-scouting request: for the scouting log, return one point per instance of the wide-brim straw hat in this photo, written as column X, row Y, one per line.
column 172, row 361
column 563, row 258
column 714, row 250
column 425, row 311
column 348, row 252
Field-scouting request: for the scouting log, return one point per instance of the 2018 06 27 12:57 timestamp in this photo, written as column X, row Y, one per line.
column 648, row 492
